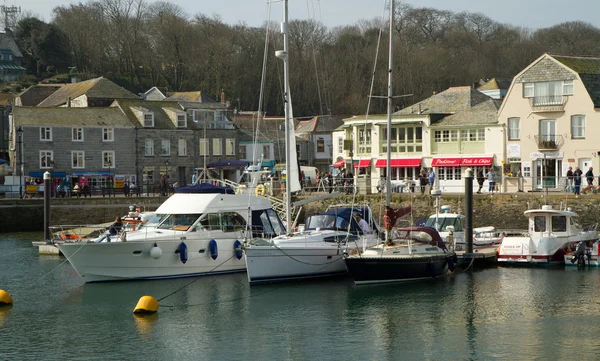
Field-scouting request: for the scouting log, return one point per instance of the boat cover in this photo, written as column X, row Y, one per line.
column 204, row 188
column 228, row 163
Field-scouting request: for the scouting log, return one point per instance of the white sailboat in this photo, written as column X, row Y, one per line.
column 415, row 252
column 317, row 250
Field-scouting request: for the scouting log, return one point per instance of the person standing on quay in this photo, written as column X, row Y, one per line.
column 480, row 179
column 589, row 177
column 569, row 187
column 577, row 181
column 431, row 178
column 491, row 175
column 422, row 181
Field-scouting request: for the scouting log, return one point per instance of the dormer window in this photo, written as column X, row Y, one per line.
column 148, row 120
column 181, row 120
column 548, row 92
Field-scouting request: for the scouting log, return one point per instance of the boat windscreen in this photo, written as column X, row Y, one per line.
column 445, row 222
column 326, row 221
column 179, row 222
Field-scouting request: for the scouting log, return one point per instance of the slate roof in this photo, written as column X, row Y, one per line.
column 5, row 98
column 495, row 83
column 588, row 69
column 161, row 119
column 35, row 94
column 195, row 96
column 100, row 88
column 7, row 42
column 270, row 128
column 458, row 106
column 322, row 123
column 68, row 117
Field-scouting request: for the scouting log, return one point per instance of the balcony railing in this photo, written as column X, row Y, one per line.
column 549, row 103
column 549, row 141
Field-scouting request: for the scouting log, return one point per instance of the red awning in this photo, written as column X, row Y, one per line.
column 363, row 163
column 445, row 162
column 467, row 162
column 399, row 163
column 339, row 163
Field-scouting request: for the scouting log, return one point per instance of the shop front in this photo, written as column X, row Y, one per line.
column 449, row 171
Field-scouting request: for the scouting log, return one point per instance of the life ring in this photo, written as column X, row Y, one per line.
column 260, row 190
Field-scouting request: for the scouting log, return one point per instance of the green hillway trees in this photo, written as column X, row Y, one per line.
column 139, row 44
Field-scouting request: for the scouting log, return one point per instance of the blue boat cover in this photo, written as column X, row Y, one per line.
column 346, row 214
column 204, row 188
column 228, row 163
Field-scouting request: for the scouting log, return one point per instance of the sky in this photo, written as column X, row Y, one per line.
column 533, row 14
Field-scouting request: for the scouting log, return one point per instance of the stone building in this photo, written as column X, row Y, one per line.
column 90, row 143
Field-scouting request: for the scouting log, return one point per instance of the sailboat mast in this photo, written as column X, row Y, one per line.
column 286, row 83
column 388, row 166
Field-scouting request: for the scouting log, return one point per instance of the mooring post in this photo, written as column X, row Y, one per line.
column 469, row 210
column 47, row 196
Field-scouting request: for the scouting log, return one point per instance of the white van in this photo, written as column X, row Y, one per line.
column 310, row 175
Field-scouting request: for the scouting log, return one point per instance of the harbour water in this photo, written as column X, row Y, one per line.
column 486, row 314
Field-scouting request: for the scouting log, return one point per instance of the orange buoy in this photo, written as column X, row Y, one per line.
column 146, row 305
column 5, row 298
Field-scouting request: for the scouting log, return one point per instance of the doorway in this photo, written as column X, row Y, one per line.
column 547, row 173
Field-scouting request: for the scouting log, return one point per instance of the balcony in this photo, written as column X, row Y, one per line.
column 550, row 103
column 549, row 142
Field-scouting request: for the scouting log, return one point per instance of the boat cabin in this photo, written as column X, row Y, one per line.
column 551, row 222
column 446, row 221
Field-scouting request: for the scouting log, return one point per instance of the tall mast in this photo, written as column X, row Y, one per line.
column 286, row 83
column 388, row 167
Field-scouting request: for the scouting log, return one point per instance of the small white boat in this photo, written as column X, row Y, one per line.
column 317, row 251
column 551, row 233
column 197, row 234
column 450, row 227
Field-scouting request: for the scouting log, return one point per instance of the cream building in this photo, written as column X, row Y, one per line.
column 551, row 116
column 448, row 132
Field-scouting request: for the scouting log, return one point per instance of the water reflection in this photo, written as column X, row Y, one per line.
column 4, row 313
column 146, row 324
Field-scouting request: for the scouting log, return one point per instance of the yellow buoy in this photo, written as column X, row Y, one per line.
column 146, row 305
column 5, row 298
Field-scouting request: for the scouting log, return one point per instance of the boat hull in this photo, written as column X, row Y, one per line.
column 366, row 270
column 272, row 264
column 120, row 261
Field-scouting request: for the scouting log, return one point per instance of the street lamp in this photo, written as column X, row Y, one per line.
column 51, row 164
column 168, row 178
column 108, row 181
column 20, row 157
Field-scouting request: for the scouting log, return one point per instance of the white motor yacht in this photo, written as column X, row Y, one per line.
column 551, row 233
column 197, row 234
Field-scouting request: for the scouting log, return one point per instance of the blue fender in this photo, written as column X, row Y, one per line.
column 237, row 249
column 214, row 250
column 183, row 252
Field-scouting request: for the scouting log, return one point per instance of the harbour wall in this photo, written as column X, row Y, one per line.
column 503, row 211
column 27, row 215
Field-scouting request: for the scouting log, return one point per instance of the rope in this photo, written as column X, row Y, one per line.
column 228, row 300
column 306, row 263
column 195, row 279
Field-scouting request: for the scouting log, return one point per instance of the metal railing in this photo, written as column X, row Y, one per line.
column 549, row 141
column 548, row 100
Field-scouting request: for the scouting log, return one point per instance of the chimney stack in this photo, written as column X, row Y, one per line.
column 68, row 102
column 223, row 96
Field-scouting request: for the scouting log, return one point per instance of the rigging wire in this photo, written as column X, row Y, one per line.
column 314, row 56
column 354, row 193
